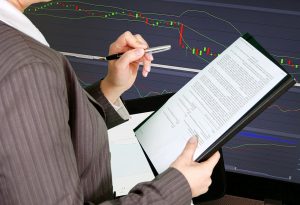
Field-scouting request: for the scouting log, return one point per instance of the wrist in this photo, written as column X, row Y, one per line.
column 112, row 93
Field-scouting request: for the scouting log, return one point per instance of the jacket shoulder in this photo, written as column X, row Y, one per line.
column 19, row 50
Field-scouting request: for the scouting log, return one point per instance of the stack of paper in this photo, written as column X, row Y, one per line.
column 128, row 162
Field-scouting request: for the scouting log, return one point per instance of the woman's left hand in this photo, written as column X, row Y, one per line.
column 122, row 72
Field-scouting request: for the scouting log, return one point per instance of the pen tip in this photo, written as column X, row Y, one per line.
column 102, row 58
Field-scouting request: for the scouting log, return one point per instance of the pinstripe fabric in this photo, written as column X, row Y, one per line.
column 53, row 138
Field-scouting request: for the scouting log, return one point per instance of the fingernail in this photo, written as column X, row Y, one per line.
column 148, row 68
column 145, row 73
column 150, row 57
column 193, row 140
column 139, row 52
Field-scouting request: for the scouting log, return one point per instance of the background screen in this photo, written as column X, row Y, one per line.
column 198, row 31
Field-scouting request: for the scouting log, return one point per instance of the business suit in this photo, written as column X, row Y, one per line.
column 53, row 139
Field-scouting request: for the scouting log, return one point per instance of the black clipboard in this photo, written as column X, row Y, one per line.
column 258, row 108
column 287, row 82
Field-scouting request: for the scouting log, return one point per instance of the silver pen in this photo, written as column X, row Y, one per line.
column 157, row 49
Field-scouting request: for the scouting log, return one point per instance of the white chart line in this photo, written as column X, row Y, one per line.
column 170, row 67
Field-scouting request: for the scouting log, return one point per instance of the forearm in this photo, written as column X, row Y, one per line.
column 170, row 187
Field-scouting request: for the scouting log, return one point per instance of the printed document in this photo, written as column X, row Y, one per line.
column 209, row 104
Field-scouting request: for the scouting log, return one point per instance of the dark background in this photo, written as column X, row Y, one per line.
column 263, row 160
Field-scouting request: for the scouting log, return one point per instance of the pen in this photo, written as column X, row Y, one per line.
column 152, row 50
column 157, row 49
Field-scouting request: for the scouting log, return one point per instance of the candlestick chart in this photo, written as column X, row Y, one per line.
column 197, row 36
column 198, row 32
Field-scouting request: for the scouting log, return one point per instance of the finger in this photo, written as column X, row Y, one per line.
column 130, row 57
column 213, row 160
column 127, row 40
column 145, row 73
column 141, row 39
column 135, row 69
column 146, row 67
column 149, row 56
column 190, row 148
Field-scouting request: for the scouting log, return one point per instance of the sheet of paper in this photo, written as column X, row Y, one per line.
column 209, row 104
column 128, row 162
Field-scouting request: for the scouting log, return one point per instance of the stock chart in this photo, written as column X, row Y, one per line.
column 198, row 32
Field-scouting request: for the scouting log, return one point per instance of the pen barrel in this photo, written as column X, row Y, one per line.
column 114, row 56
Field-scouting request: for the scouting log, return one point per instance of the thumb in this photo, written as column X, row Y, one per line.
column 213, row 160
column 131, row 56
column 190, row 148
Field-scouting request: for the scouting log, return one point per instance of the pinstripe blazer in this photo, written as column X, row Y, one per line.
column 53, row 137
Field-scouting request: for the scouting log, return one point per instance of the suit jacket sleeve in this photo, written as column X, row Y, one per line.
column 36, row 151
column 170, row 187
column 110, row 115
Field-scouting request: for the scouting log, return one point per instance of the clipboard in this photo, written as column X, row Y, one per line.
column 281, row 87
column 264, row 103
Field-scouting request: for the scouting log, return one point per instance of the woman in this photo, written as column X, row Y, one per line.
column 53, row 138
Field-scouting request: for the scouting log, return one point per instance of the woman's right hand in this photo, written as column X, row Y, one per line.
column 197, row 174
column 122, row 73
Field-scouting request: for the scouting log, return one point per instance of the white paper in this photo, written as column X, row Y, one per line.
column 209, row 104
column 128, row 162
